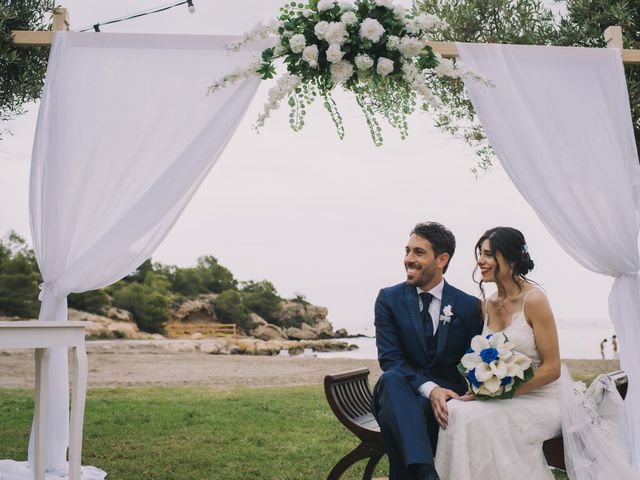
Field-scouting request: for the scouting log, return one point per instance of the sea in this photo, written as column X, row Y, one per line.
column 579, row 339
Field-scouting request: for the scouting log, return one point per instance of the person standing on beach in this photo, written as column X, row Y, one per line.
column 423, row 328
column 614, row 346
column 602, row 348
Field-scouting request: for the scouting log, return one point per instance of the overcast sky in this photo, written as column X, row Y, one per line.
column 316, row 215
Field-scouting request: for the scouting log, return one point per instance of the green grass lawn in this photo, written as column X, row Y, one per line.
column 282, row 433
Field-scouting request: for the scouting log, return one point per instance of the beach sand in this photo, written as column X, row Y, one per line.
column 121, row 363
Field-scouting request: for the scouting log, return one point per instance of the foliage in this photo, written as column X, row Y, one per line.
column 372, row 49
column 147, row 293
column 148, row 303
column 277, row 433
column 486, row 21
column 22, row 70
column 526, row 22
column 92, row 301
column 261, row 298
column 230, row 308
column 19, row 278
column 584, row 26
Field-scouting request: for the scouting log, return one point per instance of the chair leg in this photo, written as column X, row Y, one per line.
column 348, row 460
column 371, row 465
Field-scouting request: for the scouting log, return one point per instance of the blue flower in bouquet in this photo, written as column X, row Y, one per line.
column 472, row 378
column 492, row 368
column 506, row 380
column 488, row 355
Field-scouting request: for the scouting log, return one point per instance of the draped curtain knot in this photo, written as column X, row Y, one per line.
column 48, row 289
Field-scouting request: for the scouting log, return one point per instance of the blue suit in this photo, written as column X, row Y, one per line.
column 405, row 417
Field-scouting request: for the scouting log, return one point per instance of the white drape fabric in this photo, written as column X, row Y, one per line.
column 559, row 121
column 125, row 136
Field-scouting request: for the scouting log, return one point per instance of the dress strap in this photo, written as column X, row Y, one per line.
column 524, row 300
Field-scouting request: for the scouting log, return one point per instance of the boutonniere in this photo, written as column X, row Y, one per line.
column 447, row 313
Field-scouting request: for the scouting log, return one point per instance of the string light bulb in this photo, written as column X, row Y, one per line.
column 191, row 7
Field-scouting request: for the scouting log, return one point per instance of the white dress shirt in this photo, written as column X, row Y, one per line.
column 434, row 311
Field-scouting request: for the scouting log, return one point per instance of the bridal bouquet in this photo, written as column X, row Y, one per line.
column 372, row 48
column 492, row 368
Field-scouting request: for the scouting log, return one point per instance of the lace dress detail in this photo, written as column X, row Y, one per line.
column 502, row 439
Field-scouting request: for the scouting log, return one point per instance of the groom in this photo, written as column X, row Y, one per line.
column 423, row 328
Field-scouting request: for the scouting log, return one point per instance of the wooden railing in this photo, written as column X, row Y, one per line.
column 186, row 330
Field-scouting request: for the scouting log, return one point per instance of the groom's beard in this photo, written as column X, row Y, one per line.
column 419, row 276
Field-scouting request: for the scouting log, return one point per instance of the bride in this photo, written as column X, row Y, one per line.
column 502, row 439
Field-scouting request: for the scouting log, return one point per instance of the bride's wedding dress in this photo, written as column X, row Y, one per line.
column 502, row 439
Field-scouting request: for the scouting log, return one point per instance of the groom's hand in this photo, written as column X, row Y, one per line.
column 438, row 398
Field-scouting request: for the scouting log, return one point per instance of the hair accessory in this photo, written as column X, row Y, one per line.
column 525, row 248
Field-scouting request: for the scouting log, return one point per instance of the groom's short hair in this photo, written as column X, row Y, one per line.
column 440, row 237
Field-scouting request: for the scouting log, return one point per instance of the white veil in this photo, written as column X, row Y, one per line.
column 593, row 430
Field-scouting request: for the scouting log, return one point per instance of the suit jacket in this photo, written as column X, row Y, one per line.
column 401, row 338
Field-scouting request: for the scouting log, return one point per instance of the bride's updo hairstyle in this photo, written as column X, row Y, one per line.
column 511, row 244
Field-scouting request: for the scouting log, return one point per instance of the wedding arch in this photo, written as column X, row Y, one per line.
column 558, row 119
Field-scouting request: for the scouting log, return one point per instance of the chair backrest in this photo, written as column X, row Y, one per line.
column 621, row 380
column 349, row 396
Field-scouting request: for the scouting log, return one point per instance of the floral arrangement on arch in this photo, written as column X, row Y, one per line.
column 373, row 48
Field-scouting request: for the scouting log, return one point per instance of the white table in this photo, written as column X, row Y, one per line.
column 41, row 336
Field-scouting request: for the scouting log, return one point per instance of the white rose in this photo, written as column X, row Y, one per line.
column 336, row 33
column 400, row 11
column 326, row 5
column 410, row 47
column 363, row 62
column 385, row 3
column 425, row 22
column 306, row 13
column 393, row 42
column 310, row 55
column 297, row 43
column 320, row 29
column 385, row 66
column 334, row 54
column 341, row 71
column 371, row 29
column 349, row 18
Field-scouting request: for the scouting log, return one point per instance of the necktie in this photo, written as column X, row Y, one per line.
column 426, row 317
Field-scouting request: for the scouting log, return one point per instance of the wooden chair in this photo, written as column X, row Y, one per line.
column 349, row 396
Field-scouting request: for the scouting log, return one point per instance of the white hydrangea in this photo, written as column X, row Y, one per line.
column 385, row 66
column 371, row 29
column 341, row 71
column 385, row 3
column 411, row 26
column 334, row 54
column 349, row 18
column 240, row 73
column 310, row 55
column 393, row 42
column 410, row 46
column 326, row 5
column 286, row 84
column 363, row 62
column 446, row 68
column 297, row 43
column 336, row 33
column 258, row 32
column 414, row 77
column 320, row 29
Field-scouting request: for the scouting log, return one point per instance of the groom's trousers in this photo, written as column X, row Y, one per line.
column 407, row 423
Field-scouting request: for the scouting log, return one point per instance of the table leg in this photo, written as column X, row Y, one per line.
column 78, row 397
column 40, row 416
